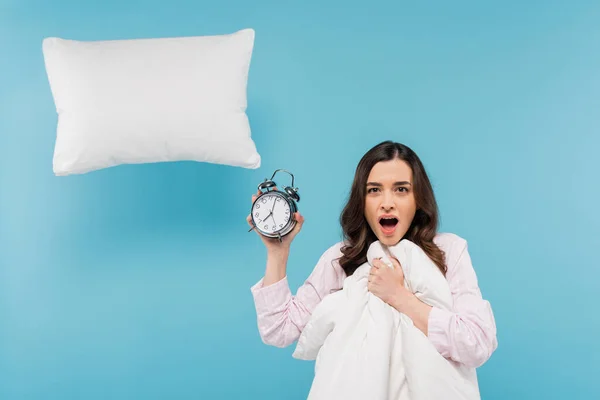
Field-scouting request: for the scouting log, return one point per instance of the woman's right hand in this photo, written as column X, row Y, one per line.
column 273, row 244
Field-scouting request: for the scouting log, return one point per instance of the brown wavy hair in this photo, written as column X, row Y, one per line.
column 357, row 233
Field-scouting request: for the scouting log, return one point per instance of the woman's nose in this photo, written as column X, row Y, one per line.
column 387, row 202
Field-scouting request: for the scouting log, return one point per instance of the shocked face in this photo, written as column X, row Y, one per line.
column 390, row 203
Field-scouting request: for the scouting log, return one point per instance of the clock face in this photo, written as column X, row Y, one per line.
column 271, row 213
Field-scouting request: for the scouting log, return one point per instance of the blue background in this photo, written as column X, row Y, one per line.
column 133, row 282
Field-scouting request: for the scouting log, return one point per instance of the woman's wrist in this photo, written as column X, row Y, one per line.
column 410, row 305
column 276, row 265
column 279, row 254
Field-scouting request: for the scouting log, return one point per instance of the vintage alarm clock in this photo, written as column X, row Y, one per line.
column 273, row 210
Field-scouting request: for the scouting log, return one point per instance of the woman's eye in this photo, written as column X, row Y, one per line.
column 371, row 190
column 403, row 189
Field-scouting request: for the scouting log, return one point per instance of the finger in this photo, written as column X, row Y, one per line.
column 395, row 262
column 397, row 266
column 299, row 222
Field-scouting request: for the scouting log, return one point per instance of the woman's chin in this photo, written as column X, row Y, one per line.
column 389, row 240
column 390, row 237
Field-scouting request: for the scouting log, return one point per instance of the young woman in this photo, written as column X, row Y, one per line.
column 391, row 198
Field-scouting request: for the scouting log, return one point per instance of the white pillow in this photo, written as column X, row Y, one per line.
column 150, row 100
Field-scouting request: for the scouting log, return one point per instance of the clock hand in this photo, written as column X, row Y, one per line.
column 263, row 220
column 271, row 213
column 272, row 209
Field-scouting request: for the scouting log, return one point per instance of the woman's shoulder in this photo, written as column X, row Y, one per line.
column 332, row 253
column 328, row 275
column 453, row 246
column 449, row 241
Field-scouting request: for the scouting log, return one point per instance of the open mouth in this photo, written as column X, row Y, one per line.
column 388, row 224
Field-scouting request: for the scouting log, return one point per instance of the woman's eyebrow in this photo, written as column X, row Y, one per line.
column 400, row 183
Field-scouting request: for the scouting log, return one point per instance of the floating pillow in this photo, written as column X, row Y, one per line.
column 150, row 100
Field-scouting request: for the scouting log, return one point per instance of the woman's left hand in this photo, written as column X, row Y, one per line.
column 387, row 283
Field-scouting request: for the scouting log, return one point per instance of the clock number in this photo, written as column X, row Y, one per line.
column 280, row 225
column 266, row 227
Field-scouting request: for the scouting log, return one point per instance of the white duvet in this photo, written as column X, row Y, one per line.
column 366, row 349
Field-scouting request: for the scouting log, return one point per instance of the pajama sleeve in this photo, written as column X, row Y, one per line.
column 281, row 315
column 467, row 333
